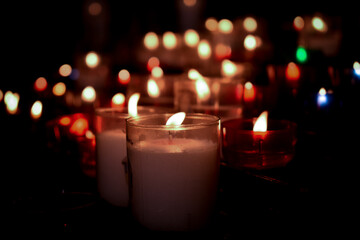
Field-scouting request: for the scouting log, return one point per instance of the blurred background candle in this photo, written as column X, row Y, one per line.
column 111, row 156
column 173, row 170
column 259, row 144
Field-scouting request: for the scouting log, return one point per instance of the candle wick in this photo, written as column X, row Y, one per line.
column 170, row 137
column 260, row 145
column 260, row 152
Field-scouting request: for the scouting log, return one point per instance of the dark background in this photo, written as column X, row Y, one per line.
column 39, row 36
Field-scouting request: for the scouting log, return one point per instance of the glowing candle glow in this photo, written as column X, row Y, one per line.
column 250, row 42
column 151, row 41
column 88, row 94
column 191, row 38
column 250, row 24
column 204, row 49
column 261, row 122
column 59, row 89
column 202, row 89
column 118, row 100
column 124, row 76
column 11, row 101
column 152, row 88
column 176, row 119
column 132, row 104
column 40, row 84
column 249, row 92
column 225, row 26
column 169, row 40
column 36, row 109
column 65, row 70
column 292, row 72
column 92, row 59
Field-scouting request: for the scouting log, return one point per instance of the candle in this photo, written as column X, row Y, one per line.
column 247, row 145
column 111, row 150
column 111, row 162
column 173, row 171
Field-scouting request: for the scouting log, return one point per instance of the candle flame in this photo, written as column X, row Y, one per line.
column 11, row 101
column 176, row 119
column 36, row 109
column 152, row 88
column 88, row 94
column 132, row 105
column 261, row 122
column 193, row 74
column 202, row 89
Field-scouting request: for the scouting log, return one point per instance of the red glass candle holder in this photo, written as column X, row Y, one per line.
column 244, row 148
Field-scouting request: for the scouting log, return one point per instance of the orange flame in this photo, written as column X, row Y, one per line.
column 202, row 89
column 176, row 119
column 152, row 88
column 132, row 104
column 261, row 122
column 36, row 109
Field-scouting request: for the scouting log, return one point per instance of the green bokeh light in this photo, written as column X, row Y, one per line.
column 301, row 54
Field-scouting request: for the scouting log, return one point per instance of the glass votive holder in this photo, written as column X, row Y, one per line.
column 111, row 158
column 224, row 112
column 215, row 92
column 244, row 148
column 173, row 171
column 72, row 136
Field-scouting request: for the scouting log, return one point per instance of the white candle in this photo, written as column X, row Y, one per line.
column 111, row 167
column 174, row 182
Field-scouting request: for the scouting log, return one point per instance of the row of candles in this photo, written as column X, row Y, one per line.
column 167, row 164
column 155, row 87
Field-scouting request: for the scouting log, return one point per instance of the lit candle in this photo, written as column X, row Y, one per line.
column 174, row 170
column 263, row 144
column 111, row 156
column 111, row 150
column 111, row 153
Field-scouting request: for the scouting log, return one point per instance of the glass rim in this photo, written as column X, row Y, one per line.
column 210, row 120
column 112, row 112
column 288, row 125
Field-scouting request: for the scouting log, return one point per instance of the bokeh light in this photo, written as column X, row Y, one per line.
column 191, row 38
column 59, row 89
column 151, row 41
column 250, row 24
column 88, row 94
column 65, row 70
column 92, row 59
column 169, row 40
column 40, row 84
column 204, row 49
column 124, row 76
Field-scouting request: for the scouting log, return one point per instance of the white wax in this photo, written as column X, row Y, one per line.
column 174, row 184
column 111, row 167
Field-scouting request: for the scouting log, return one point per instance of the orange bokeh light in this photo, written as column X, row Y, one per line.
column 249, row 92
column 124, row 76
column 40, row 84
column 292, row 72
column 79, row 126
